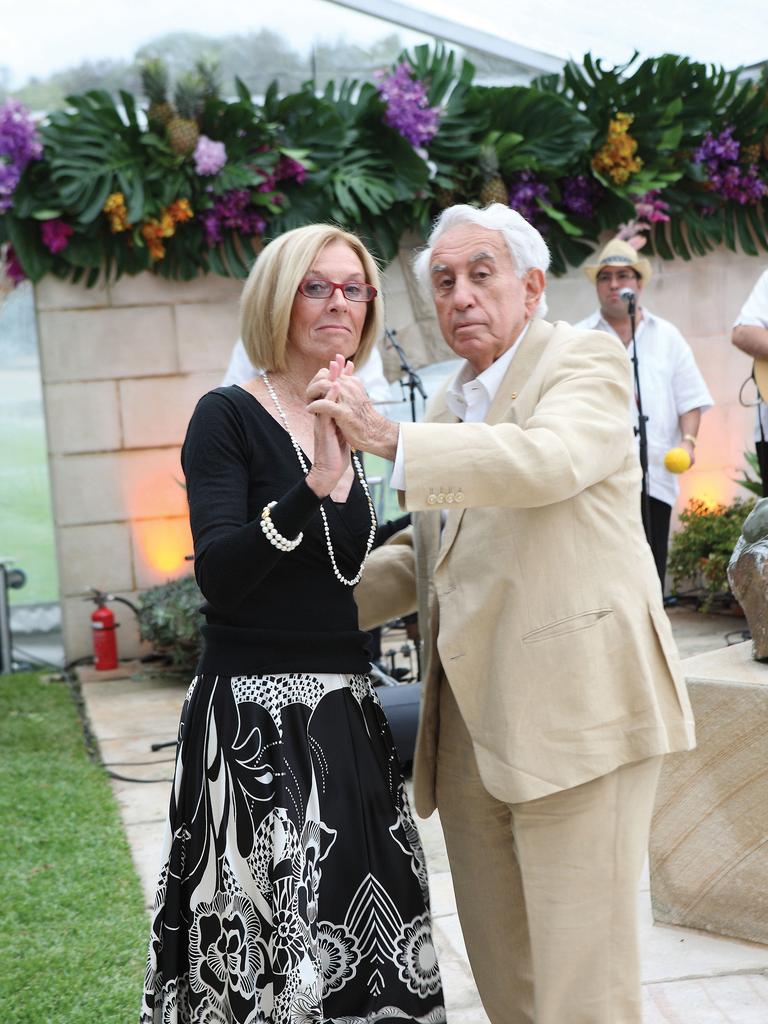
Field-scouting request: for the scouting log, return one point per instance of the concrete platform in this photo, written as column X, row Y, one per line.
column 689, row 977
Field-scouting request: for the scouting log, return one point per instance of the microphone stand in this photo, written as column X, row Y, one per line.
column 412, row 380
column 640, row 430
column 413, row 383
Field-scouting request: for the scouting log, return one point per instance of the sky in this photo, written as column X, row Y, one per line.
column 43, row 36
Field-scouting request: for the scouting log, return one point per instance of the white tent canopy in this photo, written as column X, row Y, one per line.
column 543, row 36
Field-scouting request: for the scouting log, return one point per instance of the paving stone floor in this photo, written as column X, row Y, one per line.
column 689, row 977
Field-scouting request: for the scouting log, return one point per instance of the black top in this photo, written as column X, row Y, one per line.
column 266, row 610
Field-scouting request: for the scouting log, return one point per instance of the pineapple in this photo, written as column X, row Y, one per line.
column 154, row 80
column 207, row 69
column 750, row 154
column 182, row 129
column 493, row 189
column 445, row 197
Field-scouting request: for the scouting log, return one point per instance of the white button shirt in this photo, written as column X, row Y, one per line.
column 670, row 385
column 469, row 397
column 754, row 313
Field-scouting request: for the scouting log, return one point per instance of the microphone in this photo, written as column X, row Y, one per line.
column 629, row 297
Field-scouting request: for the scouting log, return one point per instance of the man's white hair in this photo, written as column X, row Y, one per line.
column 526, row 246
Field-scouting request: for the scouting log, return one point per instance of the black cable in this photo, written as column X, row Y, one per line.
column 134, row 764
column 741, row 634
column 126, row 778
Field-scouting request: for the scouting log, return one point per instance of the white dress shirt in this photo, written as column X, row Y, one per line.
column 670, row 385
column 469, row 397
column 754, row 313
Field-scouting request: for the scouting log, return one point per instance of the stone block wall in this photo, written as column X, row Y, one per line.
column 123, row 365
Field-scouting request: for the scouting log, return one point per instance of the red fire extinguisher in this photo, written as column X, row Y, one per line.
column 104, row 630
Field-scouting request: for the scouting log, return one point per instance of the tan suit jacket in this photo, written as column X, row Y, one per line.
column 540, row 601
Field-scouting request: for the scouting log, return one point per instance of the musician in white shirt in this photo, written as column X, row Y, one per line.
column 672, row 389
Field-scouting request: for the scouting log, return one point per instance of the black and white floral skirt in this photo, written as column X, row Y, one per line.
column 293, row 887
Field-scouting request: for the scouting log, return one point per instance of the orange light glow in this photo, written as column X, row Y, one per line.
column 712, row 488
column 162, row 545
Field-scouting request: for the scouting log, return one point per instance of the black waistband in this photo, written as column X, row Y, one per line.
column 232, row 651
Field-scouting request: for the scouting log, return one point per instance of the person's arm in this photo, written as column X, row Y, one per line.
column 750, row 331
column 387, row 590
column 578, row 434
column 689, row 430
column 232, row 553
column 751, row 339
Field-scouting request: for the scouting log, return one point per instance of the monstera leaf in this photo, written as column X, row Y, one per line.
column 94, row 151
column 532, row 130
column 306, row 121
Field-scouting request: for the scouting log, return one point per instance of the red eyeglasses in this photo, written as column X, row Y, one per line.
column 320, row 288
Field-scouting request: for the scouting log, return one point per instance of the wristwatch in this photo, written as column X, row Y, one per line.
column 691, row 438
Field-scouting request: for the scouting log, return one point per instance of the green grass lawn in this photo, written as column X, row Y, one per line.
column 25, row 508
column 73, row 924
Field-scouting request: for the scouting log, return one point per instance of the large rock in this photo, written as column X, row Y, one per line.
column 709, row 836
column 748, row 576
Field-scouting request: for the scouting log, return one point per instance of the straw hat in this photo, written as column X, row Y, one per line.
column 618, row 253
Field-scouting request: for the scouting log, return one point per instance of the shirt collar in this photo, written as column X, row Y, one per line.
column 459, row 390
column 597, row 323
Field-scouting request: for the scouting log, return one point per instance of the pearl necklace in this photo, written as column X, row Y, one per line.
column 363, row 482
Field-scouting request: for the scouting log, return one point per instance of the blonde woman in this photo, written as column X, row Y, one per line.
column 293, row 886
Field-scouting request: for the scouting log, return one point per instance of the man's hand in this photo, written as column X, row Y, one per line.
column 688, row 447
column 336, row 393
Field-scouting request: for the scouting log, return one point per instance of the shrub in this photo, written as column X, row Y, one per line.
column 702, row 547
column 169, row 619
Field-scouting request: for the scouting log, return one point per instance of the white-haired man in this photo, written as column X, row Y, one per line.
column 553, row 686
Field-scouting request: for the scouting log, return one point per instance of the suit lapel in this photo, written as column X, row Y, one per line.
column 519, row 371
column 501, row 409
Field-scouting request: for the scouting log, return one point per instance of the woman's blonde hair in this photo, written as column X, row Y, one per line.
column 269, row 293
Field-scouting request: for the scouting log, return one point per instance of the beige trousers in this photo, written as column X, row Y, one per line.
column 547, row 889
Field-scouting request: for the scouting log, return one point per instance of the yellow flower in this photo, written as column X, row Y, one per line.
column 154, row 230
column 167, row 225
column 116, row 212
column 180, row 210
column 152, row 233
column 616, row 157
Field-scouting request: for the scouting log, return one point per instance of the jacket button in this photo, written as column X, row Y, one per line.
column 513, row 395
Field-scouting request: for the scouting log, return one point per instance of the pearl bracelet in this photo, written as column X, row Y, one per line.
column 276, row 539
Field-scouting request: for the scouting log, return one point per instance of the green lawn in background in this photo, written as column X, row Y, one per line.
column 387, row 507
column 73, row 922
column 26, row 524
